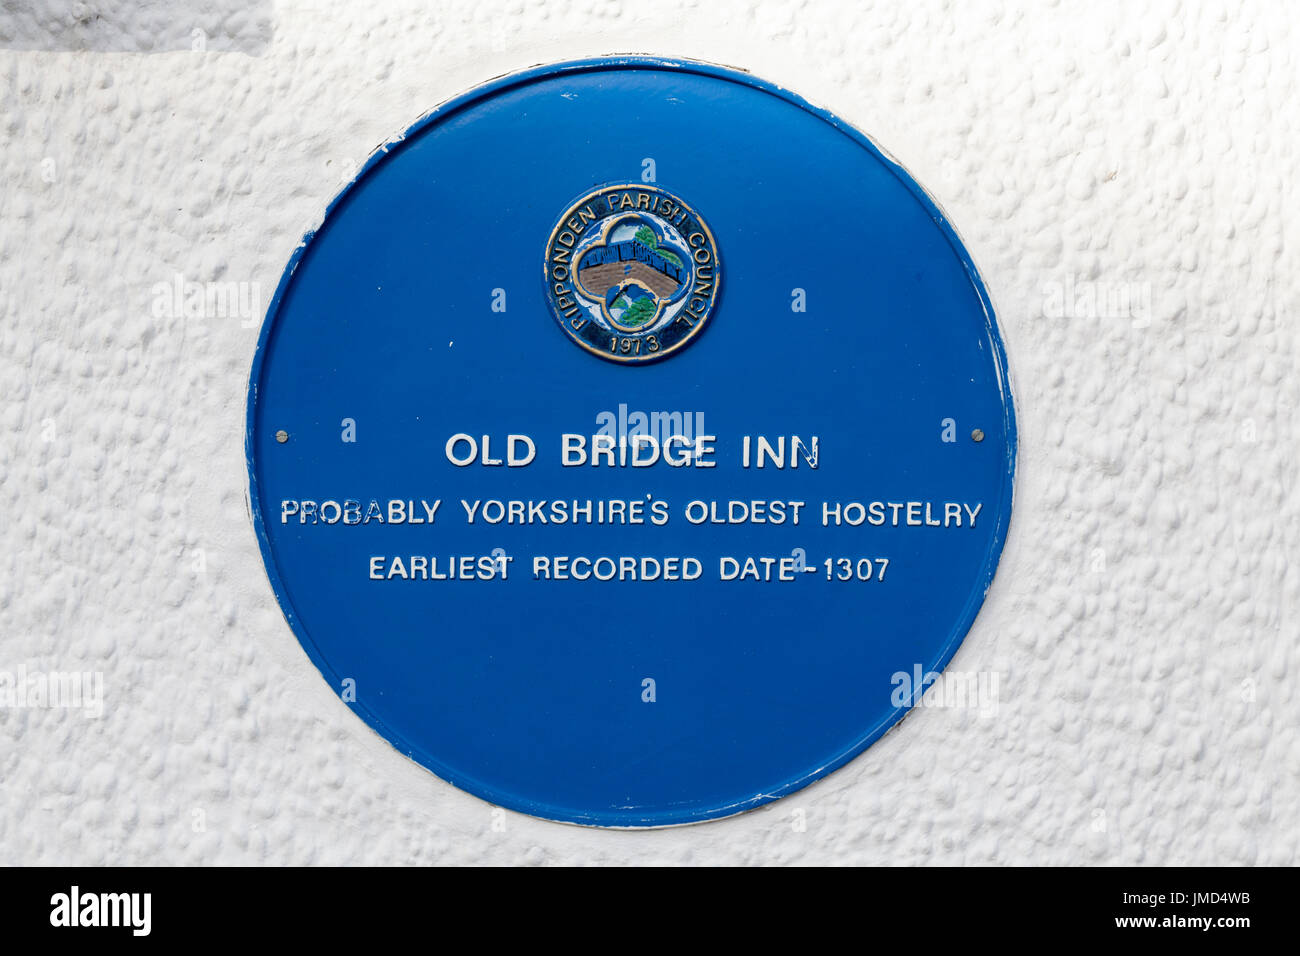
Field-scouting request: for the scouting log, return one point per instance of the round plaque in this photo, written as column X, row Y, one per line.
column 632, row 444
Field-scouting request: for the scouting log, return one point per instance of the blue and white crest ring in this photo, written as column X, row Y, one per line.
column 631, row 272
column 632, row 444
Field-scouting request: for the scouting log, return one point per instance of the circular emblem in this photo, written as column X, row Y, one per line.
column 631, row 272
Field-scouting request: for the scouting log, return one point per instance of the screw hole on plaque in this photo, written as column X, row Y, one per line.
column 977, row 435
column 282, row 436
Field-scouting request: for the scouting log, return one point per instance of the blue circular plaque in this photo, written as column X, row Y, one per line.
column 678, row 529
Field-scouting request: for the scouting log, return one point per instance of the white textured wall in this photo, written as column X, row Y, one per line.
column 1143, row 620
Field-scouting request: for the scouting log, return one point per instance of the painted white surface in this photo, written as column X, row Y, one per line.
column 1148, row 710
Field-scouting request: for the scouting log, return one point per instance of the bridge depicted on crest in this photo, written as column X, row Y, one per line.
column 606, row 266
